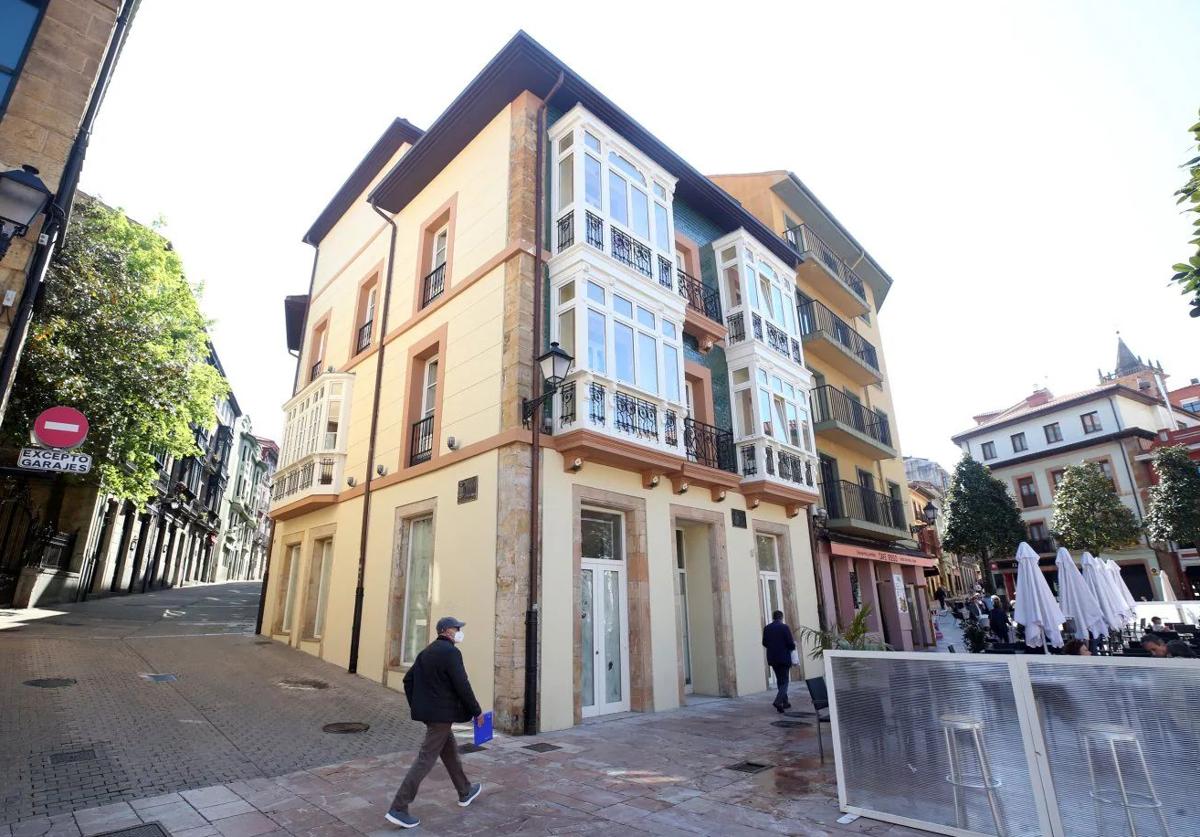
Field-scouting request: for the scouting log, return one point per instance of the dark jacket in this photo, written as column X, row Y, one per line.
column 777, row 639
column 998, row 620
column 437, row 688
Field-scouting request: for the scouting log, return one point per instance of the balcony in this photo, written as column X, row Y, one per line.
column 764, row 332
column 703, row 315
column 857, row 510
column 827, row 274
column 433, row 285
column 594, row 420
column 841, row 419
column 1043, row 546
column 313, row 454
column 776, row 472
column 828, row 338
column 573, row 230
column 363, row 340
column 421, row 443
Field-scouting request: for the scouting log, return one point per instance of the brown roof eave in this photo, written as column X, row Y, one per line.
column 524, row 64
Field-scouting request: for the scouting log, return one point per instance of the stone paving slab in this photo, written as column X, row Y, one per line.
column 666, row 774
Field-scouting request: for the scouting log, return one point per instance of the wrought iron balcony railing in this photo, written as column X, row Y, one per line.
column 844, row 499
column 566, row 231
column 735, row 324
column 629, row 251
column 433, row 285
column 709, row 445
column 421, row 446
column 816, row 318
column 803, row 240
column 699, row 299
column 831, row 404
column 635, row 416
column 364, row 336
column 316, row 371
column 594, row 227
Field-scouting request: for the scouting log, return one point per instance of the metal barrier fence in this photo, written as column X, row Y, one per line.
column 1019, row 745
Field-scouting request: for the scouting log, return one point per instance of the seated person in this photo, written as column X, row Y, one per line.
column 1179, row 648
column 1077, row 648
column 1156, row 625
column 998, row 622
column 1159, row 647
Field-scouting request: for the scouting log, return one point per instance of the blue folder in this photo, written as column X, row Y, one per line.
column 483, row 728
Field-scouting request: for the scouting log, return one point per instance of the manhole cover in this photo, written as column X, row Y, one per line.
column 749, row 767
column 343, row 727
column 159, row 678
column 470, row 748
column 73, row 756
column 149, row 830
column 51, row 682
column 789, row 724
column 542, row 747
column 303, row 685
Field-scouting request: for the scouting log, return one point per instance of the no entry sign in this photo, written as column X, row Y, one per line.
column 61, row 427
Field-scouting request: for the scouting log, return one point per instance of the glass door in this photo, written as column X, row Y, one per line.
column 769, row 585
column 681, row 611
column 604, row 615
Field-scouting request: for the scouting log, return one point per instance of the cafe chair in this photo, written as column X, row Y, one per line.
column 1102, row 740
column 955, row 727
column 820, row 700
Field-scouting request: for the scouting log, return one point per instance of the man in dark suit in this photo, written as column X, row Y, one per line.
column 439, row 694
column 777, row 639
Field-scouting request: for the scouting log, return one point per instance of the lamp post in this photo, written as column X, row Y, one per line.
column 556, row 365
column 23, row 197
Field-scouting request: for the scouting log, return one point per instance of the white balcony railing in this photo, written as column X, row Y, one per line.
column 317, row 473
column 764, row 457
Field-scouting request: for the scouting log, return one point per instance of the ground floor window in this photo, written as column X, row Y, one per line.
column 418, row 567
column 318, row 589
column 289, row 592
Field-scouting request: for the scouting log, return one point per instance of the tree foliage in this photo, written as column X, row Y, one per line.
column 1089, row 515
column 1187, row 274
column 981, row 517
column 1174, row 513
column 118, row 335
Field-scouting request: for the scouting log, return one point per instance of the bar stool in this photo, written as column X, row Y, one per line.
column 1109, row 736
column 953, row 726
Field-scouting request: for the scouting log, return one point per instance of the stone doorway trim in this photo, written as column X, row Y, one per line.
column 787, row 574
column 721, row 603
column 637, row 566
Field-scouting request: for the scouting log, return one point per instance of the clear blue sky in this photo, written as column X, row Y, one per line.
column 1011, row 165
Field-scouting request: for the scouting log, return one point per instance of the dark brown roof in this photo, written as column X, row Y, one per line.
column 524, row 64
column 399, row 132
column 294, row 309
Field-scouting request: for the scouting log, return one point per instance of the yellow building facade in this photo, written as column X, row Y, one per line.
column 669, row 526
column 865, row 549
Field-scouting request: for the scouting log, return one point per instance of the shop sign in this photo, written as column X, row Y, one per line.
column 850, row 551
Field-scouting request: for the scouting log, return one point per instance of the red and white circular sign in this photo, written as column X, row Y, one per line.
column 61, row 427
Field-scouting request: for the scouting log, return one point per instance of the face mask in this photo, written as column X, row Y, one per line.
column 458, row 637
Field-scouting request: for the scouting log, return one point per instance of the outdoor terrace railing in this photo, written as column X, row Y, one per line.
column 849, row 499
column 709, row 445
column 433, row 285
column 831, row 404
column 803, row 240
column 699, row 299
column 816, row 318
column 421, row 445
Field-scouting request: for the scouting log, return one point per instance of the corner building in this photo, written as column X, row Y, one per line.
column 865, row 551
column 676, row 461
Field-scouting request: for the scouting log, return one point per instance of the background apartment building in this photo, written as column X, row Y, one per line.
column 864, row 546
column 676, row 459
column 1115, row 425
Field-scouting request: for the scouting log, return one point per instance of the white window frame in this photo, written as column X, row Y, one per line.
column 429, row 388
column 760, row 386
column 408, row 591
column 441, row 242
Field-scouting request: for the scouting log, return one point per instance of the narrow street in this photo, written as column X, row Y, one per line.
column 238, row 706
column 233, row 744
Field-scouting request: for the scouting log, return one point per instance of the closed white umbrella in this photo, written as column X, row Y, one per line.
column 1036, row 608
column 1076, row 598
column 1114, row 572
column 1168, row 592
column 1112, row 606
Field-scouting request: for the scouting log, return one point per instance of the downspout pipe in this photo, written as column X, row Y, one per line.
column 533, row 613
column 58, row 214
column 356, row 626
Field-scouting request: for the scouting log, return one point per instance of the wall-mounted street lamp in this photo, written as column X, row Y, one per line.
column 23, row 197
column 556, row 365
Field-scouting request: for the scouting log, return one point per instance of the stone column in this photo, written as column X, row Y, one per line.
column 103, row 563
column 141, row 554
column 121, row 561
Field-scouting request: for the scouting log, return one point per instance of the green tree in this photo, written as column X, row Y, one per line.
column 981, row 517
column 118, row 335
column 1187, row 274
column 1089, row 515
column 1174, row 513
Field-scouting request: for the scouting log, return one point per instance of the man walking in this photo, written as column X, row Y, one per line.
column 940, row 595
column 439, row 695
column 777, row 639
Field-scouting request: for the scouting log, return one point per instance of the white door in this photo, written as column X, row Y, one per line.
column 604, row 612
column 681, row 611
column 770, row 588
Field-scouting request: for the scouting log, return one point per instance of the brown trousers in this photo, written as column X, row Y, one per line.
column 439, row 741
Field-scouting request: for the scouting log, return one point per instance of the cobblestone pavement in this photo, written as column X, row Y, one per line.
column 114, row 735
column 666, row 773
